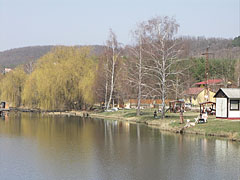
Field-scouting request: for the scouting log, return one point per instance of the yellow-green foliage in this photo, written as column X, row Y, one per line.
column 11, row 86
column 62, row 78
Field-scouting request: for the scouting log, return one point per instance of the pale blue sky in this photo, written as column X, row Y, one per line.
column 80, row 22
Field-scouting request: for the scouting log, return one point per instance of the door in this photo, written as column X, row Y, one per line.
column 221, row 107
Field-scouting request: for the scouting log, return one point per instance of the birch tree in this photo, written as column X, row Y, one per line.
column 135, row 66
column 113, row 56
column 162, row 51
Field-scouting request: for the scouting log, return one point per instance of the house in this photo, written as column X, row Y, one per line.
column 196, row 95
column 210, row 82
column 228, row 103
column 213, row 84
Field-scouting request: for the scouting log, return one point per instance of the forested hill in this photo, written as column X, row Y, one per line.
column 220, row 48
column 193, row 47
column 14, row 57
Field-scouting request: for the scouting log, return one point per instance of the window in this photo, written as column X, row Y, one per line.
column 234, row 104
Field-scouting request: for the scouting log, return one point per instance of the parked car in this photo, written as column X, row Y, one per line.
column 188, row 105
column 114, row 109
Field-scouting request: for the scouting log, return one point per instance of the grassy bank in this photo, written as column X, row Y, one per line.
column 214, row 127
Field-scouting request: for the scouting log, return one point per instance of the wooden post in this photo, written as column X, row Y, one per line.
column 181, row 115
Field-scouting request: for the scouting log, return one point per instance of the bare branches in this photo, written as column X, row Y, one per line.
column 112, row 55
column 161, row 52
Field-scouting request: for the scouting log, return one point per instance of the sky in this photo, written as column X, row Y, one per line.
column 87, row 22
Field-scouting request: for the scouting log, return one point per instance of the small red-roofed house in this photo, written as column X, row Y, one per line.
column 196, row 95
column 214, row 84
column 210, row 82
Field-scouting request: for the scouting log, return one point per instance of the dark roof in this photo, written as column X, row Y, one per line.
column 228, row 92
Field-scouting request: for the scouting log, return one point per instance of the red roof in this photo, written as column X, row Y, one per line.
column 194, row 91
column 210, row 81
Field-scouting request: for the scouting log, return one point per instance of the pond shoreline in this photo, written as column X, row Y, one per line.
column 165, row 125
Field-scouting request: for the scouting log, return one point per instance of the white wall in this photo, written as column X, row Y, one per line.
column 221, row 107
column 233, row 114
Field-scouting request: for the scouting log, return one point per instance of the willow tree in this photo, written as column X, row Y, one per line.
column 11, row 86
column 62, row 79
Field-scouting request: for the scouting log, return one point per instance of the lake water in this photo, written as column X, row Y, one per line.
column 36, row 147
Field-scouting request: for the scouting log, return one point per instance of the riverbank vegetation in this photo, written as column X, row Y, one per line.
column 229, row 129
column 157, row 64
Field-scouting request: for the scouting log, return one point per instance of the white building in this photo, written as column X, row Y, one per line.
column 7, row 70
column 228, row 103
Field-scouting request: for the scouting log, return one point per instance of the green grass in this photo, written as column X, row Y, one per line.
column 219, row 127
column 224, row 127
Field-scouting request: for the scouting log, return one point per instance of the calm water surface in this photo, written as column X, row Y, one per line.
column 36, row 147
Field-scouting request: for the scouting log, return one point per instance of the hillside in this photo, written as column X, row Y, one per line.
column 14, row 57
column 193, row 47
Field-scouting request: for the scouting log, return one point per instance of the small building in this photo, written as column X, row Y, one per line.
column 4, row 108
column 210, row 82
column 7, row 70
column 228, row 103
column 196, row 95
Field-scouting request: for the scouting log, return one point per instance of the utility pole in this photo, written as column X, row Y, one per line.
column 206, row 91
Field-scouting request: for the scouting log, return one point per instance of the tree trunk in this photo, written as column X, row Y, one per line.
column 176, row 95
column 139, row 99
column 139, row 80
column 112, row 82
column 106, row 90
column 163, row 86
column 163, row 101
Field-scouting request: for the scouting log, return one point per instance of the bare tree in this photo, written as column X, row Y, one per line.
column 29, row 67
column 113, row 56
column 102, row 79
column 162, row 51
column 134, row 65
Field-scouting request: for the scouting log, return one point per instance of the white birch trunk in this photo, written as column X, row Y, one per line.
column 106, row 91
column 112, row 81
column 139, row 79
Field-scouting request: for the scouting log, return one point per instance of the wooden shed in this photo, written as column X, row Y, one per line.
column 228, row 103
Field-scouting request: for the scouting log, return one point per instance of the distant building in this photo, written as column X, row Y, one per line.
column 7, row 70
column 145, row 103
column 228, row 103
column 213, row 84
column 196, row 95
column 210, row 82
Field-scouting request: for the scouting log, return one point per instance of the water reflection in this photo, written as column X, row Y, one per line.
column 40, row 147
